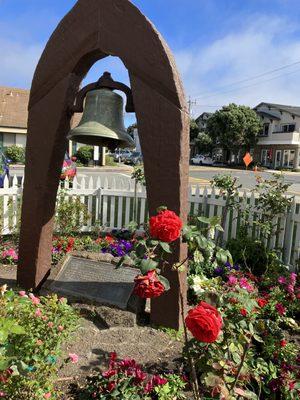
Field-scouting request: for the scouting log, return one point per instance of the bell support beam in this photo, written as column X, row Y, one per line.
column 92, row 30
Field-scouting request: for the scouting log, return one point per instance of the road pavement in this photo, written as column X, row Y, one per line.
column 201, row 175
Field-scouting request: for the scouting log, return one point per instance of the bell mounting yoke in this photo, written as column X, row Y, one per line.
column 105, row 82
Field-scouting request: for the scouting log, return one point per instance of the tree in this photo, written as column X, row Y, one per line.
column 194, row 130
column 85, row 154
column 234, row 127
column 204, row 143
column 131, row 129
column 15, row 154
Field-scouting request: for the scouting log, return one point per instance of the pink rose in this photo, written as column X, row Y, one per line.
column 281, row 280
column 35, row 300
column 47, row 395
column 50, row 324
column 232, row 280
column 38, row 313
column 60, row 328
column 22, row 293
column 73, row 358
column 62, row 300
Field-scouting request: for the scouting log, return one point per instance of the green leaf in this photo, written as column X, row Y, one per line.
column 148, row 265
column 165, row 246
column 120, row 262
column 204, row 220
column 165, row 282
column 4, row 364
column 17, row 329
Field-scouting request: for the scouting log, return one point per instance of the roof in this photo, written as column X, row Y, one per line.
column 14, row 108
column 294, row 110
column 203, row 114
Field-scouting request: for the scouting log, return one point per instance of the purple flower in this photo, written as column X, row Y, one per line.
column 228, row 265
column 219, row 271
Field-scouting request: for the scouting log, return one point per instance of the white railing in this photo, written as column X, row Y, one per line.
column 111, row 203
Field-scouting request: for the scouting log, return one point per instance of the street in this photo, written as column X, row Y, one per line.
column 199, row 175
column 203, row 175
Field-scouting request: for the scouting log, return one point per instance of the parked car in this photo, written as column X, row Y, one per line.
column 4, row 168
column 69, row 169
column 201, row 159
column 121, row 155
column 135, row 158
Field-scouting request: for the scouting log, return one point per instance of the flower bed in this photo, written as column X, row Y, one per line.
column 125, row 379
column 256, row 355
column 32, row 330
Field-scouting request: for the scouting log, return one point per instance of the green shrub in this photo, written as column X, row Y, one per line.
column 85, row 154
column 71, row 214
column 15, row 153
column 249, row 253
column 32, row 331
column 109, row 160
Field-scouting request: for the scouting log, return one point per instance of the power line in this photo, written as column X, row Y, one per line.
column 214, row 94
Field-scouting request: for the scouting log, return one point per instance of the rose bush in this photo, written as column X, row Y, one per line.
column 255, row 355
column 32, row 330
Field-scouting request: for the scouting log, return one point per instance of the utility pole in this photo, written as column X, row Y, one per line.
column 191, row 103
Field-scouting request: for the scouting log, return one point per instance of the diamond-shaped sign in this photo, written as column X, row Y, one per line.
column 247, row 159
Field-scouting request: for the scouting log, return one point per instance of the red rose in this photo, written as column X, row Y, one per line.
column 204, row 322
column 70, row 244
column 243, row 312
column 262, row 302
column 283, row 343
column 148, row 286
column 165, row 226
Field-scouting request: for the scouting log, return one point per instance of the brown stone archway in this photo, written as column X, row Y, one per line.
column 92, row 30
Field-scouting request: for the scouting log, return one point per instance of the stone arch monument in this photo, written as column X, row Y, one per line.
column 92, row 30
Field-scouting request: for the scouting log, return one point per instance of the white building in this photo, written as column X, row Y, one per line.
column 279, row 142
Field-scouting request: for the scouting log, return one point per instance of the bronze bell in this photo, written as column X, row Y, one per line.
column 102, row 122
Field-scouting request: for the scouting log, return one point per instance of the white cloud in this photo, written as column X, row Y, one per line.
column 18, row 62
column 262, row 44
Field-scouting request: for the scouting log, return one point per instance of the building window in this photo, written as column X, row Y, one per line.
column 292, row 158
column 288, row 158
column 288, row 127
column 9, row 139
column 265, row 131
column 264, row 157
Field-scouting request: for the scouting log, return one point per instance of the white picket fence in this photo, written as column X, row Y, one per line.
column 111, row 203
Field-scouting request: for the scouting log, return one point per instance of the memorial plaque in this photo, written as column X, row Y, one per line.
column 94, row 280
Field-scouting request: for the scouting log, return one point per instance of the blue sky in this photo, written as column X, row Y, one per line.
column 216, row 43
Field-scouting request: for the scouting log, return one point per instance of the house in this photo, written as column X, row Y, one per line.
column 13, row 121
column 201, row 121
column 13, row 116
column 279, row 141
